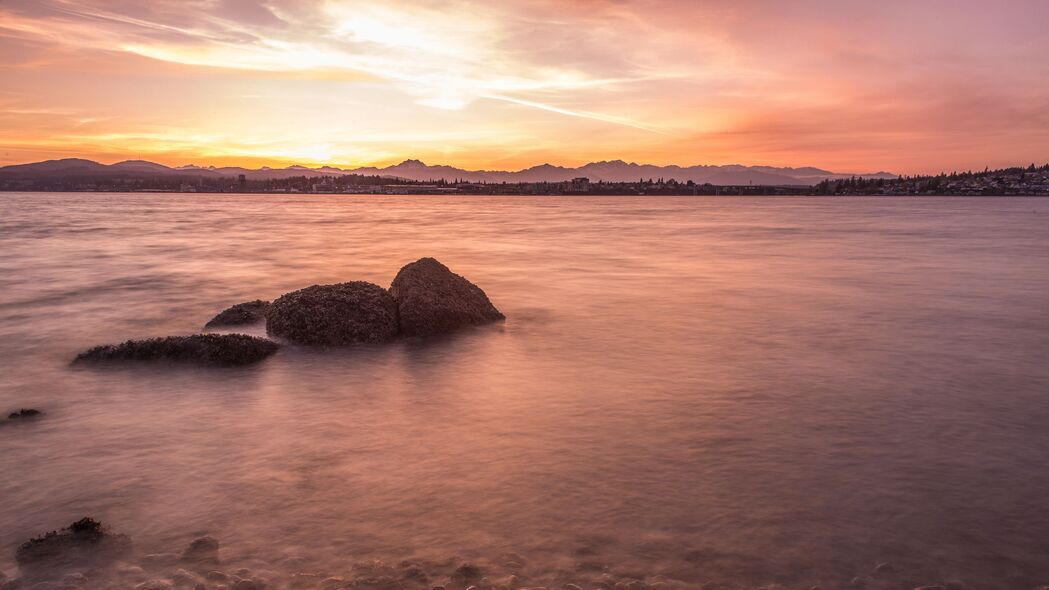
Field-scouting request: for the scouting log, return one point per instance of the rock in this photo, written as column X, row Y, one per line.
column 24, row 413
column 241, row 314
column 216, row 576
column 333, row 583
column 334, row 315
column 304, row 580
column 75, row 579
column 85, row 542
column 154, row 585
column 133, row 571
column 416, row 573
column 883, row 568
column 208, row 349
column 185, row 578
column 203, row 550
column 246, row 585
column 433, row 300
column 466, row 572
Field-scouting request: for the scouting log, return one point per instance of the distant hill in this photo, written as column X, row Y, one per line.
column 611, row 171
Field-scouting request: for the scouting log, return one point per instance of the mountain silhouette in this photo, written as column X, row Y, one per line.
column 607, row 171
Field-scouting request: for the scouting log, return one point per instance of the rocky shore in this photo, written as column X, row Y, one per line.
column 89, row 556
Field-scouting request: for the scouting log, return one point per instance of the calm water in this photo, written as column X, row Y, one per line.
column 760, row 390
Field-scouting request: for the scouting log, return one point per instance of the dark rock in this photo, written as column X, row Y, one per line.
column 85, row 542
column 415, row 573
column 208, row 349
column 466, row 573
column 203, row 550
column 433, row 300
column 240, row 314
column 24, row 413
column 333, row 315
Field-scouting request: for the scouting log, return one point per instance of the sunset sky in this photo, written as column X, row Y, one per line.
column 905, row 86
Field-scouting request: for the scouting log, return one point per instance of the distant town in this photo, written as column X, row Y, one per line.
column 140, row 177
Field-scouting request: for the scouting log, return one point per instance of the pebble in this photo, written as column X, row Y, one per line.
column 160, row 559
column 154, row 585
column 303, row 580
column 75, row 579
column 333, row 583
column 184, row 578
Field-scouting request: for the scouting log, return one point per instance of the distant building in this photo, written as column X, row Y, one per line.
column 578, row 185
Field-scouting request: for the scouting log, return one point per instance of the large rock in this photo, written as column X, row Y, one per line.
column 85, row 542
column 209, row 349
column 241, row 314
column 333, row 315
column 434, row 300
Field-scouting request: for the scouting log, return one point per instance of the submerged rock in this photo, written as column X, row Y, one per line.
column 433, row 300
column 466, row 573
column 24, row 413
column 240, row 314
column 203, row 550
column 333, row 315
column 85, row 541
column 209, row 349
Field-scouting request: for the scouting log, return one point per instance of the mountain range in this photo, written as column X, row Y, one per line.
column 613, row 171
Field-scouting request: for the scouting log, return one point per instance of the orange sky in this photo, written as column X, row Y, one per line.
column 906, row 86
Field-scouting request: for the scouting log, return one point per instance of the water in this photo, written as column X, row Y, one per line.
column 746, row 390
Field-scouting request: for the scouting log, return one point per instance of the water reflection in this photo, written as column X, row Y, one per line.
column 754, row 390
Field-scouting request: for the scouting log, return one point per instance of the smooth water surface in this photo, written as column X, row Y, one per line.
column 747, row 389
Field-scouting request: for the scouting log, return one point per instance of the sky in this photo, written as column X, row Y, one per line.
column 852, row 86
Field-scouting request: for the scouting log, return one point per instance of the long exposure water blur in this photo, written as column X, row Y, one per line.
column 740, row 390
